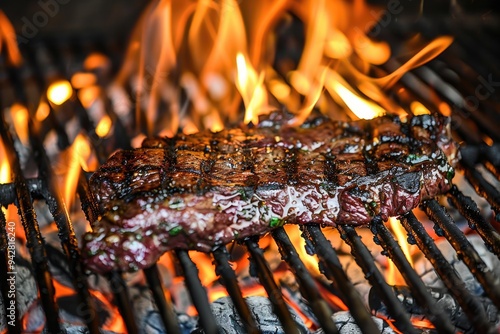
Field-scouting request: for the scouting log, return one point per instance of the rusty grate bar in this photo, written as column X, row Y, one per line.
column 198, row 293
column 364, row 259
column 231, row 283
column 468, row 208
column 307, row 284
column 164, row 306
column 456, row 286
column 34, row 237
column 464, row 249
column 272, row 289
column 332, row 269
column 419, row 290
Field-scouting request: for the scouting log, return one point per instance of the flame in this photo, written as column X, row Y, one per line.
column 418, row 108
column 361, row 107
column 5, row 176
column 59, row 92
column 88, row 95
column 83, row 79
column 94, row 61
column 393, row 276
column 250, row 85
column 104, row 126
column 8, row 41
column 42, row 112
column 20, row 118
column 78, row 154
column 5, row 173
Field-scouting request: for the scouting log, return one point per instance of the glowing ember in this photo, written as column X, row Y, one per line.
column 20, row 117
column 59, row 92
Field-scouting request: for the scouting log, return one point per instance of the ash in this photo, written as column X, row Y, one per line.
column 261, row 308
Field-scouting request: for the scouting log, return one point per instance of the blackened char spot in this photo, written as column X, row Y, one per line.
column 409, row 181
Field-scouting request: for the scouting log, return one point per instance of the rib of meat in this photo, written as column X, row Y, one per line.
column 206, row 189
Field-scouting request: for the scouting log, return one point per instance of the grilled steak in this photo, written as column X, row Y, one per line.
column 206, row 189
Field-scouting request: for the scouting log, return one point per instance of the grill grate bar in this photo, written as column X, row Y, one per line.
column 67, row 235
column 164, row 306
column 272, row 289
column 197, row 292
column 119, row 288
column 231, row 283
column 468, row 208
column 419, row 291
column 34, row 237
column 464, row 249
column 482, row 187
column 332, row 269
column 364, row 259
column 306, row 282
column 469, row 303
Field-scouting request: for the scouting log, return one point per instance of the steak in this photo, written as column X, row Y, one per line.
column 207, row 189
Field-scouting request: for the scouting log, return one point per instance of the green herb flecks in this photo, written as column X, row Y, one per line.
column 276, row 222
column 175, row 231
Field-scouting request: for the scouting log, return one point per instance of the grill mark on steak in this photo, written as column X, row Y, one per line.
column 290, row 165
column 203, row 190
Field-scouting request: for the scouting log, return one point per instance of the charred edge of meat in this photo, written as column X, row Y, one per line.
column 207, row 189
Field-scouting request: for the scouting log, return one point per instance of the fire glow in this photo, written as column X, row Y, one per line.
column 228, row 45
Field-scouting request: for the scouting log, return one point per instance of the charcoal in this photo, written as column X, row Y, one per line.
column 347, row 325
column 425, row 270
column 261, row 308
column 147, row 316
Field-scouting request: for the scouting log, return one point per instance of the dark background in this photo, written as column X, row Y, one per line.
column 43, row 18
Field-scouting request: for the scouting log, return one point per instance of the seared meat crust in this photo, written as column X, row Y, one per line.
column 207, row 189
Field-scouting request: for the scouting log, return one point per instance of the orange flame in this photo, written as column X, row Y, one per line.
column 20, row 117
column 393, row 276
column 42, row 112
column 250, row 85
column 104, row 126
column 79, row 152
column 8, row 40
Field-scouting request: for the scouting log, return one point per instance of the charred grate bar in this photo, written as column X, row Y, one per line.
column 470, row 304
column 364, row 259
column 231, row 283
column 415, row 283
column 464, row 249
column 266, row 278
column 197, row 292
column 307, row 284
column 468, row 208
column 332, row 269
column 34, row 237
